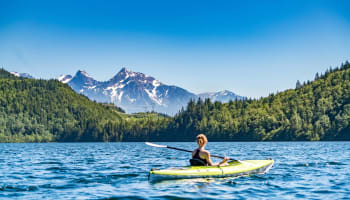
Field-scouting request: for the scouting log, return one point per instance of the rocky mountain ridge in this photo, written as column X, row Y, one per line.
column 137, row 92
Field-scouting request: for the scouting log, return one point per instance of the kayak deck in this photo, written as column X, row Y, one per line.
column 236, row 168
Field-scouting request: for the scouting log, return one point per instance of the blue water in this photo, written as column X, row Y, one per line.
column 305, row 170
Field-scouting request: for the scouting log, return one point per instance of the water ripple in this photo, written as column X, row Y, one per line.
column 302, row 170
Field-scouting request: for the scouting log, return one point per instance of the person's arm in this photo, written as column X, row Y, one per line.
column 210, row 163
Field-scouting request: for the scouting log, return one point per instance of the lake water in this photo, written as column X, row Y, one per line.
column 305, row 170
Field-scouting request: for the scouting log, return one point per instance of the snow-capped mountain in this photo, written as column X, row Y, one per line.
column 137, row 92
column 23, row 75
column 64, row 78
column 222, row 96
column 133, row 91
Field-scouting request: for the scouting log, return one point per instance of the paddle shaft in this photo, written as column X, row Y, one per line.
column 191, row 152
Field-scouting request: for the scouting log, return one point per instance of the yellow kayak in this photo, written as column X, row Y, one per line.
column 233, row 169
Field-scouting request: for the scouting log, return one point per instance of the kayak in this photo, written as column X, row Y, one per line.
column 233, row 169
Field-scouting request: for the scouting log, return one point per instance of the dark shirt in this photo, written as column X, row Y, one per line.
column 196, row 156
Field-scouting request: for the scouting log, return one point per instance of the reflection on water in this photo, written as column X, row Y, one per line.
column 185, row 181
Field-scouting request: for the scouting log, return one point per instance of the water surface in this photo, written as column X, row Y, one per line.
column 306, row 170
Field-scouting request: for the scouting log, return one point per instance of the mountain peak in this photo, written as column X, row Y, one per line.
column 83, row 73
column 138, row 92
column 124, row 70
column 124, row 74
column 23, row 75
column 226, row 92
column 82, row 78
column 64, row 78
column 223, row 96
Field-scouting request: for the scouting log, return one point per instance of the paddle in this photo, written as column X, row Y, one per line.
column 166, row 146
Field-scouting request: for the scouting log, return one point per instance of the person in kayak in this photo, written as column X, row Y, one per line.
column 201, row 157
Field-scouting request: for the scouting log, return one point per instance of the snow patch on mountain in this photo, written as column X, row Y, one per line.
column 64, row 78
column 83, row 72
column 137, row 92
column 222, row 96
column 22, row 75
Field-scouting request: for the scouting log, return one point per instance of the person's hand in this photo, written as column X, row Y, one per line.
column 224, row 161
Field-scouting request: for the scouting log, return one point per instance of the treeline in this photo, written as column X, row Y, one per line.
column 49, row 111
column 315, row 110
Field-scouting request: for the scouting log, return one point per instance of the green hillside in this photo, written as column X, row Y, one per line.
column 47, row 111
column 317, row 110
column 50, row 111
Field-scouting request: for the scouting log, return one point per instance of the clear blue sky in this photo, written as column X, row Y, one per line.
column 252, row 48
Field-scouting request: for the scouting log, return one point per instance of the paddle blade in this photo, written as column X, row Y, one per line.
column 156, row 145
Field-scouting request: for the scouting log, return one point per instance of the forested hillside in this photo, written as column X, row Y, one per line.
column 49, row 111
column 45, row 111
column 317, row 110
